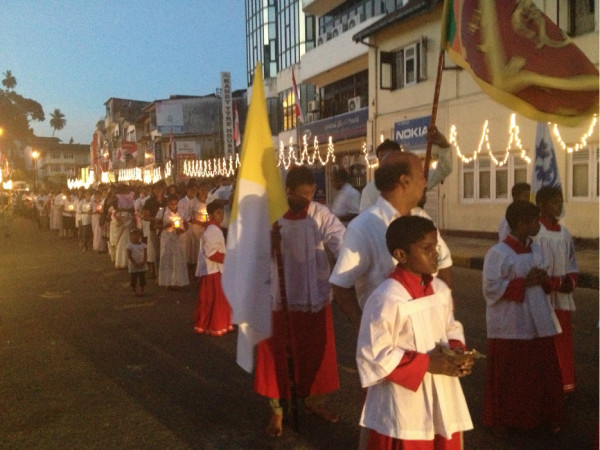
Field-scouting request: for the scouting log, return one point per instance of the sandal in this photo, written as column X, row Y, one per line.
column 322, row 412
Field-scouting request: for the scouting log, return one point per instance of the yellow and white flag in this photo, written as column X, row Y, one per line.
column 259, row 200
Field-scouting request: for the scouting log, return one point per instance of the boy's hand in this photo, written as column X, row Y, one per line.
column 535, row 277
column 567, row 286
column 444, row 364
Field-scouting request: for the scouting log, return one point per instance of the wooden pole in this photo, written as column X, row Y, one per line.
column 434, row 108
column 276, row 239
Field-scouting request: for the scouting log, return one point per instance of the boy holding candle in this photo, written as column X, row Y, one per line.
column 213, row 312
column 410, row 349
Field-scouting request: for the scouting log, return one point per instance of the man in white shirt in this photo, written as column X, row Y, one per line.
column 346, row 202
column 364, row 261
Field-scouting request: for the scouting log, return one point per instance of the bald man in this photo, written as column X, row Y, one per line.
column 364, row 261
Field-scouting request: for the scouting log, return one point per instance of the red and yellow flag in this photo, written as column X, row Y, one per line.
column 521, row 59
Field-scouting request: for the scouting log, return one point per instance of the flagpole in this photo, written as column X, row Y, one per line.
column 288, row 335
column 434, row 108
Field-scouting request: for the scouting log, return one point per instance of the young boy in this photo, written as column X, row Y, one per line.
column 519, row 191
column 304, row 231
column 410, row 349
column 213, row 312
column 523, row 386
column 563, row 272
column 137, row 256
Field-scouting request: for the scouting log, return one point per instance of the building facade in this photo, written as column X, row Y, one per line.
column 495, row 147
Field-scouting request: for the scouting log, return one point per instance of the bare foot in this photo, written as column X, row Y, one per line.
column 275, row 427
column 322, row 412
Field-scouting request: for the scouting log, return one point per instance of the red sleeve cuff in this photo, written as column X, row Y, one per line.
column 574, row 278
column 217, row 257
column 411, row 370
column 515, row 290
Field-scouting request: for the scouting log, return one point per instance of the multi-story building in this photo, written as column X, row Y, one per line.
column 366, row 71
column 311, row 41
column 403, row 56
column 59, row 162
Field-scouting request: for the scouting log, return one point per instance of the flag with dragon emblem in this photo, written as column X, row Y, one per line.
column 521, row 59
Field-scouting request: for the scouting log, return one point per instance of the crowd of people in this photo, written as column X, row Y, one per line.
column 383, row 260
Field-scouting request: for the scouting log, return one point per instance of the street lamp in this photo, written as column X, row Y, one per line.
column 35, row 155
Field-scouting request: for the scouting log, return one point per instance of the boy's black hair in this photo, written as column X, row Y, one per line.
column 213, row 206
column 172, row 197
column 386, row 146
column 299, row 175
column 519, row 188
column 546, row 193
column 407, row 230
column 521, row 211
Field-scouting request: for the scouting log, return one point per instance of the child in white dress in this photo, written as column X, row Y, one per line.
column 136, row 261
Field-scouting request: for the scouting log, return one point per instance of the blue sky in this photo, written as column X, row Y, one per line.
column 76, row 54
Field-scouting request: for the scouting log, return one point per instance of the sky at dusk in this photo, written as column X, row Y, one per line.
column 76, row 54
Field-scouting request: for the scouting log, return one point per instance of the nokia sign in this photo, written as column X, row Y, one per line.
column 412, row 133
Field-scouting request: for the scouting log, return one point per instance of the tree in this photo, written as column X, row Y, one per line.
column 9, row 80
column 57, row 121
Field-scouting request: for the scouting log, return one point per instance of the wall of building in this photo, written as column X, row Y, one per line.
column 463, row 105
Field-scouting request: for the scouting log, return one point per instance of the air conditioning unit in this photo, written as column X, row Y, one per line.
column 313, row 106
column 312, row 116
column 355, row 20
column 338, row 30
column 354, row 103
column 324, row 38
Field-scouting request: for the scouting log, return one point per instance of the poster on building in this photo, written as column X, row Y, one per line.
column 169, row 117
column 158, row 159
column 227, row 109
column 188, row 148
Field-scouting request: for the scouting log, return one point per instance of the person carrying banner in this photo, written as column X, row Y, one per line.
column 303, row 232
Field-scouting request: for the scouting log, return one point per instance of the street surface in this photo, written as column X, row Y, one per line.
column 86, row 365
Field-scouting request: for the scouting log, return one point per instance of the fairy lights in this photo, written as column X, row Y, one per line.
column 514, row 143
column 286, row 159
column 582, row 141
column 225, row 166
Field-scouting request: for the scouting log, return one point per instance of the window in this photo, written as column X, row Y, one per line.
column 583, row 171
column 288, row 101
column 68, row 156
column 404, row 67
column 483, row 180
column 55, row 155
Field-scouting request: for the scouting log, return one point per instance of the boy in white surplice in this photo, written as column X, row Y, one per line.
column 410, row 349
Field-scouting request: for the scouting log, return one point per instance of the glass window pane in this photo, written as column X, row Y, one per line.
column 468, row 185
column 502, row 183
column 521, row 176
column 484, row 184
column 580, row 180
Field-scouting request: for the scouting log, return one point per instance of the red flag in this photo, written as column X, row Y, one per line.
column 236, row 126
column 299, row 115
column 521, row 59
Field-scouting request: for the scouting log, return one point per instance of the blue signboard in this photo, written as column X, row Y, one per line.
column 345, row 126
column 412, row 133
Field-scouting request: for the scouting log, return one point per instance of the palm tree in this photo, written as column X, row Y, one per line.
column 57, row 121
column 9, row 80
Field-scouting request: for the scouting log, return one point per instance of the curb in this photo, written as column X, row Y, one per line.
column 586, row 280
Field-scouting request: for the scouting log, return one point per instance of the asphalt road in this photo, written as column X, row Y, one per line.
column 85, row 365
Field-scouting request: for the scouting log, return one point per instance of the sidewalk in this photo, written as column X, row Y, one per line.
column 469, row 252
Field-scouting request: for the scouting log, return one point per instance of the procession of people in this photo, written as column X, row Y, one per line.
column 388, row 269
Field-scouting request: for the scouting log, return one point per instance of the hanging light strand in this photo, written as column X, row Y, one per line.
column 582, row 141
